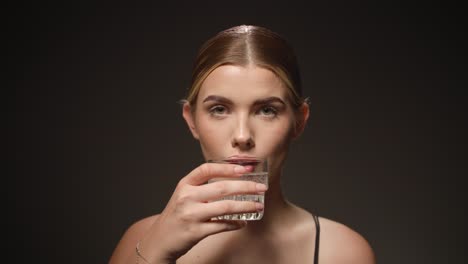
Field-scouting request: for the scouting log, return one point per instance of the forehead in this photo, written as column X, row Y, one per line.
column 251, row 82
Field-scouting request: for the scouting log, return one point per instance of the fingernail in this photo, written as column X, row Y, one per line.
column 249, row 168
column 232, row 226
column 235, row 226
column 259, row 206
column 239, row 169
column 261, row 187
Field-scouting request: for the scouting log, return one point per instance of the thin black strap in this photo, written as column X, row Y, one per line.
column 317, row 239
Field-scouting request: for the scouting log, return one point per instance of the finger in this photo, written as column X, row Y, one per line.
column 218, row 226
column 207, row 211
column 216, row 190
column 207, row 171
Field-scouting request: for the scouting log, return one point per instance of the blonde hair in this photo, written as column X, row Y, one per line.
column 246, row 45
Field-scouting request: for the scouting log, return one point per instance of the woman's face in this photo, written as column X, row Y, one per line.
column 243, row 112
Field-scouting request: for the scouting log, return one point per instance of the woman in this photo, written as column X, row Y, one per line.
column 245, row 100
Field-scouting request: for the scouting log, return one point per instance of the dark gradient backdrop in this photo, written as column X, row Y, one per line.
column 99, row 141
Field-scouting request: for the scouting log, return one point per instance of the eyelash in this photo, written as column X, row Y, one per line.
column 274, row 111
column 215, row 111
column 212, row 110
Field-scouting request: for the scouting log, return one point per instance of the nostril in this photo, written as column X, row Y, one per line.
column 243, row 143
column 249, row 143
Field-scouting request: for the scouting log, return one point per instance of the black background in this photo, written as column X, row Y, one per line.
column 99, row 142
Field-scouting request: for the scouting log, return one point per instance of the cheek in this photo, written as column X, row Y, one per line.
column 212, row 137
column 275, row 139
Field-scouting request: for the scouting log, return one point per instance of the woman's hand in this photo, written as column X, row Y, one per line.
column 186, row 220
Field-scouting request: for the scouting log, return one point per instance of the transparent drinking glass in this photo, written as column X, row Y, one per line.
column 258, row 173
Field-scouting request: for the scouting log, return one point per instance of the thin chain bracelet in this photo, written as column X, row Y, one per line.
column 138, row 254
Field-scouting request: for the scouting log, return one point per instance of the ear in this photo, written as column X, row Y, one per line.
column 301, row 120
column 187, row 113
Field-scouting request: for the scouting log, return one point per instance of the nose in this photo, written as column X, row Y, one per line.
column 243, row 137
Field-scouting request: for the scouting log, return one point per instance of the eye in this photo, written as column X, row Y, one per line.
column 268, row 111
column 218, row 110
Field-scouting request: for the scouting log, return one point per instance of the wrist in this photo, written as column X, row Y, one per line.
column 154, row 259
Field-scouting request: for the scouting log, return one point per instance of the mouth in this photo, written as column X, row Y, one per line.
column 243, row 160
column 242, row 157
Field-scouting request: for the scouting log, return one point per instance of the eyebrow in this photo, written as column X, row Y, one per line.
column 225, row 100
column 269, row 100
column 217, row 98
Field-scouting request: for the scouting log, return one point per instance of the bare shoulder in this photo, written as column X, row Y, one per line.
column 128, row 241
column 341, row 244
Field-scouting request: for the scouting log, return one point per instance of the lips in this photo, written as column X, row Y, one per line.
column 242, row 157
column 243, row 160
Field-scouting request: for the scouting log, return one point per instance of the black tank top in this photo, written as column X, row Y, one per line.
column 317, row 238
